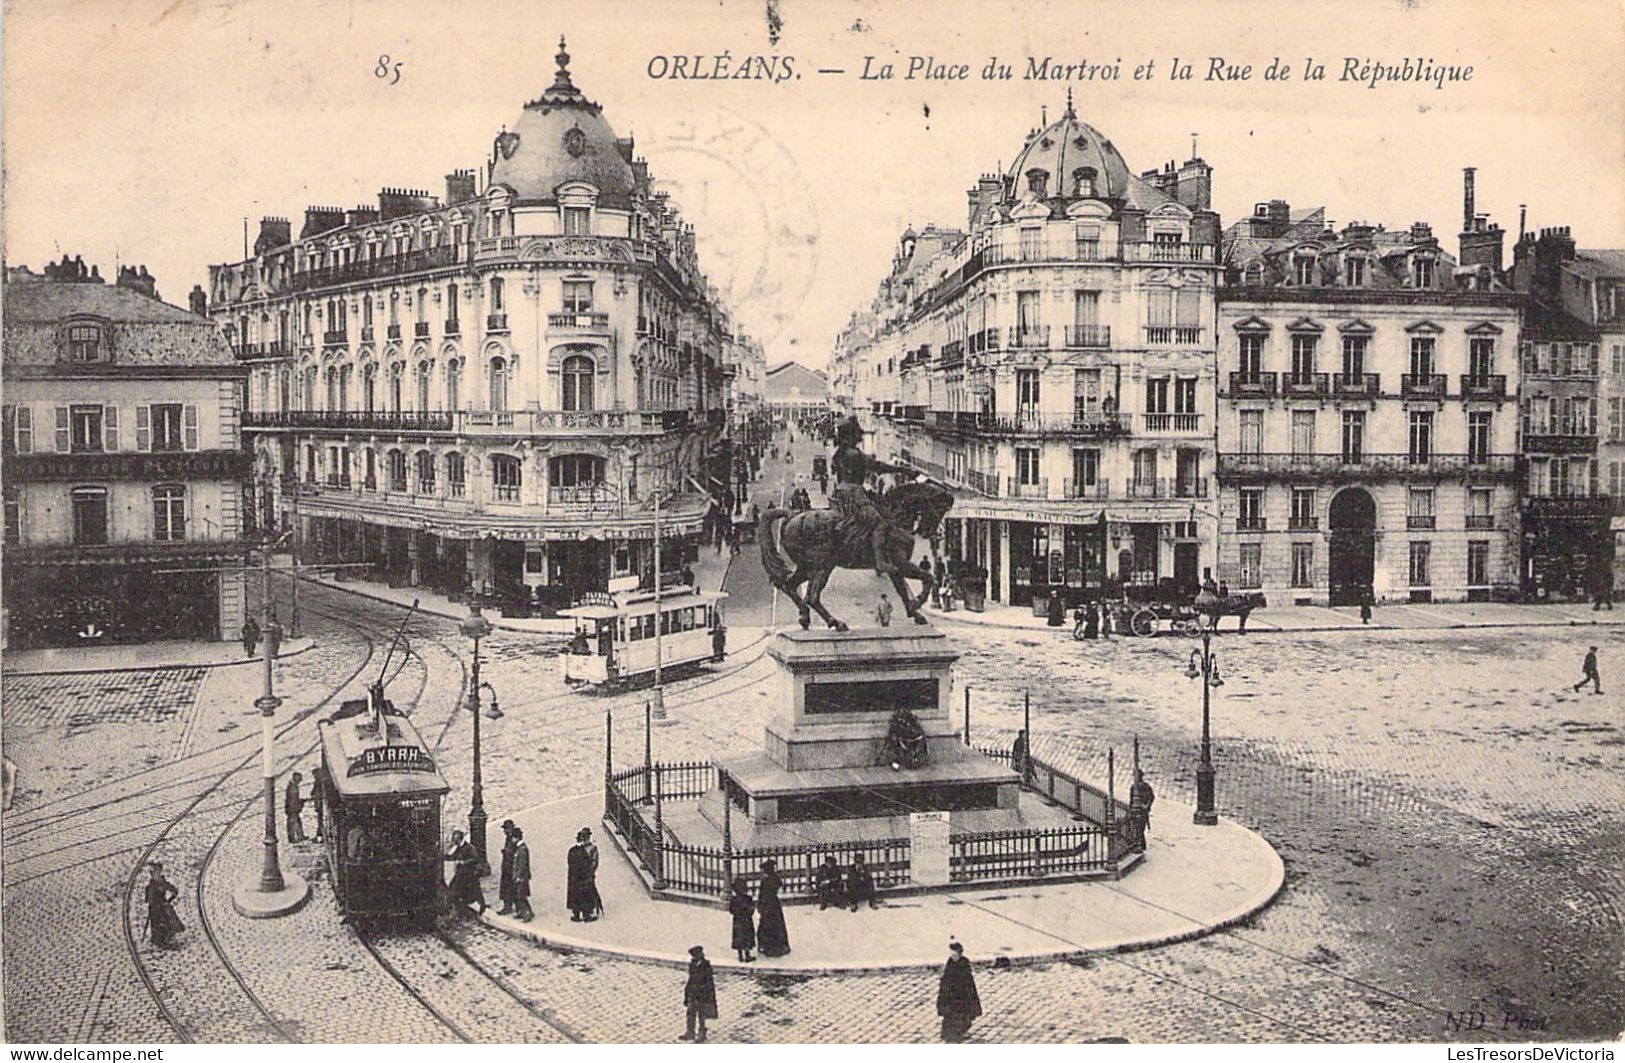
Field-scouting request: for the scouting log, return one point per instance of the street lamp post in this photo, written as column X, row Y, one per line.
column 476, row 627
column 1205, row 666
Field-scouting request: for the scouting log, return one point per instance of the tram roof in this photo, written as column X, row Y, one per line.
column 363, row 764
column 637, row 602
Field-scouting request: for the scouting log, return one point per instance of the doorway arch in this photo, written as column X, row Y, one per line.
column 1352, row 520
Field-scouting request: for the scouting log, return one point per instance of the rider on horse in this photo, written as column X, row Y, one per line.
column 861, row 521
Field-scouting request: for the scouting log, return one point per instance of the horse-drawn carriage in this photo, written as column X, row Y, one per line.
column 1145, row 610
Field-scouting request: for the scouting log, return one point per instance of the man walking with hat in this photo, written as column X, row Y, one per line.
column 505, row 882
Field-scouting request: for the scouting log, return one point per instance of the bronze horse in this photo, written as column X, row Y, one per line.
column 807, row 548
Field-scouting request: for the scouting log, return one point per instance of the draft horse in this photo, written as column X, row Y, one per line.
column 806, row 548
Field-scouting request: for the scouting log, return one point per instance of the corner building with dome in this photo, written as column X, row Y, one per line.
column 488, row 389
column 1054, row 362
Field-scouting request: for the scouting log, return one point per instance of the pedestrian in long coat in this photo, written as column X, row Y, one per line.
column 251, row 636
column 699, row 995
column 521, row 877
column 293, row 805
column 772, row 935
column 1091, row 621
column 743, row 910
column 162, row 922
column 465, row 880
column 957, row 1001
column 581, row 882
column 1141, row 797
column 505, row 880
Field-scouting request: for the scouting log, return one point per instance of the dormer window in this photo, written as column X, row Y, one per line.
column 577, row 221
column 1083, row 181
column 1303, row 270
column 1038, row 182
column 1254, row 275
column 1422, row 272
column 85, row 343
column 1354, row 272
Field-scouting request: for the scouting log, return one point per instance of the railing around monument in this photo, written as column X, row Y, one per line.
column 1098, row 844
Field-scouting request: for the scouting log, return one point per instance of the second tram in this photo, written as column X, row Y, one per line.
column 615, row 634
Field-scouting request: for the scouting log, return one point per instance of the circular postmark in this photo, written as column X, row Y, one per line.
column 751, row 208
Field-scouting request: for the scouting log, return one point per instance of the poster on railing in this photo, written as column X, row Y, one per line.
column 928, row 848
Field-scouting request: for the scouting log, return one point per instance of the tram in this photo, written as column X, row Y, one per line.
column 615, row 634
column 381, row 812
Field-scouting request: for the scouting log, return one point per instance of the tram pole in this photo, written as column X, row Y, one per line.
column 659, row 701
column 476, row 627
column 273, row 893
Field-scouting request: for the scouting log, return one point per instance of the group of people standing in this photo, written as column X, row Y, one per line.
column 759, row 922
column 513, row 890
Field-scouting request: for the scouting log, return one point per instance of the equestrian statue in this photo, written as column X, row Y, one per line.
column 859, row 530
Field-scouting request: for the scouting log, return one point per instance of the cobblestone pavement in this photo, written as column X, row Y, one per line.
column 1450, row 814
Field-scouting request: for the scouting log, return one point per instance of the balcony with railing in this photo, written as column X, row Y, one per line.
column 1182, row 424
column 1252, row 523
column 1304, row 385
column 1303, row 522
column 496, row 322
column 1252, row 385
column 1167, row 487
column 982, row 340
column 366, row 334
column 477, row 422
column 586, row 321
column 1365, row 385
column 1569, row 439
column 986, row 483
column 1367, row 466
column 1420, row 521
column 335, row 337
column 355, row 420
column 1079, row 424
column 1483, row 386
column 1173, row 335
column 586, row 498
column 453, row 327
column 1161, row 251
column 953, row 352
column 1096, row 490
column 420, row 329
column 1088, row 337
column 1015, row 487
column 1028, row 337
column 1480, row 521
column 1425, row 385
column 389, row 266
column 393, row 332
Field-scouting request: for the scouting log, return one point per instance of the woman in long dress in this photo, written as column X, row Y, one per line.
column 957, row 1001
column 742, row 908
column 581, row 879
column 772, row 936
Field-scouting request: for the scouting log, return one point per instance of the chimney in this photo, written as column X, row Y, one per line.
column 1467, row 198
column 198, row 301
column 361, row 215
column 1523, row 221
column 400, row 202
column 138, row 280
column 274, row 233
column 1421, row 230
column 459, row 187
column 1193, row 186
column 319, row 220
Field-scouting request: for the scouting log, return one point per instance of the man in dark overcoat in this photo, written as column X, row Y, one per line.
column 162, row 922
column 505, row 882
column 521, row 877
column 699, row 995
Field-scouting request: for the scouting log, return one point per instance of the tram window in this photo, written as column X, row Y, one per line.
column 620, row 630
column 688, row 619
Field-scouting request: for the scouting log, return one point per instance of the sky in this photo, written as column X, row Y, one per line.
column 145, row 131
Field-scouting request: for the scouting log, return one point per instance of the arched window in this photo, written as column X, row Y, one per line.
column 395, row 466
column 344, row 387
column 499, row 384
column 396, row 371
column 423, row 385
column 574, row 470
column 284, row 391
column 576, row 383
column 454, row 384
column 310, row 387
column 425, row 472
column 369, row 387
column 456, row 475
column 89, row 516
column 505, row 478
column 169, row 513
column 331, row 379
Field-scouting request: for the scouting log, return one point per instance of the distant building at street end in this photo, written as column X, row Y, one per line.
column 1573, row 413
column 794, row 391
column 490, row 389
column 1368, row 417
column 123, row 464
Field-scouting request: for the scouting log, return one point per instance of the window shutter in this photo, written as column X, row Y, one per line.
column 64, row 438
column 25, row 429
column 191, row 427
column 110, row 427
column 143, row 428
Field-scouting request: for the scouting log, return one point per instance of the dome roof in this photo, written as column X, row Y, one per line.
column 1063, row 148
column 562, row 137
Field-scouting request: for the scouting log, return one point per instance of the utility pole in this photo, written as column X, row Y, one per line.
column 659, row 705
column 274, row 893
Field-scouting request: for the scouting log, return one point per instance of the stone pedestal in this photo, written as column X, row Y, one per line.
column 824, row 757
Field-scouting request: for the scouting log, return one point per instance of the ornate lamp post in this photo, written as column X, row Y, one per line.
column 1205, row 666
column 476, row 627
